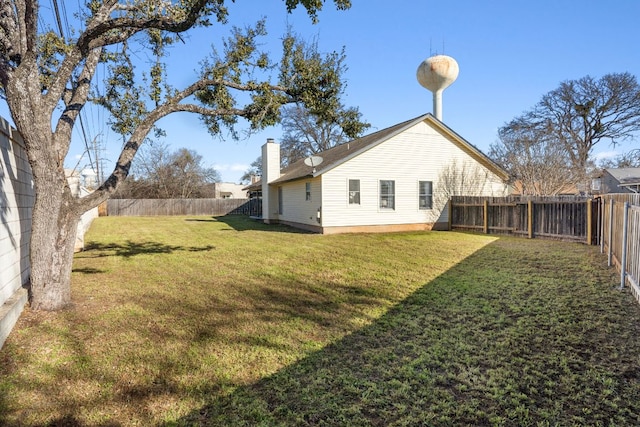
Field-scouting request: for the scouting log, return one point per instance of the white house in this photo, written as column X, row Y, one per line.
column 228, row 190
column 396, row 179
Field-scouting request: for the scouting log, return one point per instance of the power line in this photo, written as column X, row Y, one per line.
column 56, row 11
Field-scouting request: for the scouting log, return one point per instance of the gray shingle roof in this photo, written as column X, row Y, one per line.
column 343, row 152
column 625, row 175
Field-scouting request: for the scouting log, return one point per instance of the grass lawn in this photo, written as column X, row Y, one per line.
column 227, row 322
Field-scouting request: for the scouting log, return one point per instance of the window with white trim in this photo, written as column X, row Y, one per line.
column 425, row 194
column 387, row 194
column 307, row 191
column 354, row 191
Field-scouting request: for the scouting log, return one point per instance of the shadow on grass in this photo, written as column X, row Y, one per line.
column 131, row 248
column 71, row 421
column 542, row 342
column 88, row 270
column 245, row 223
column 519, row 333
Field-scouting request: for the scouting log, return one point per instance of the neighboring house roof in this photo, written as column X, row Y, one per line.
column 625, row 176
column 339, row 154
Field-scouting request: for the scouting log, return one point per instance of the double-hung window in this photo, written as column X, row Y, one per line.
column 425, row 194
column 354, row 191
column 307, row 191
column 387, row 194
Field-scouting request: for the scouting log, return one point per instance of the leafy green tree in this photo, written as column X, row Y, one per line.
column 46, row 80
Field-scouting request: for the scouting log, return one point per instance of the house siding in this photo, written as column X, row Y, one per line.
column 609, row 184
column 295, row 208
column 17, row 196
column 418, row 154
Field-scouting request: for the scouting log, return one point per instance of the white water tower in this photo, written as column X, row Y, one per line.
column 436, row 74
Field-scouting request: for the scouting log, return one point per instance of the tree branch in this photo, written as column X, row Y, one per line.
column 74, row 104
column 105, row 31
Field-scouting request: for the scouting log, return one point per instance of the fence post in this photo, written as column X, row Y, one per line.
column 623, row 262
column 589, row 219
column 603, row 204
column 610, row 252
column 530, row 218
column 450, row 219
column 486, row 217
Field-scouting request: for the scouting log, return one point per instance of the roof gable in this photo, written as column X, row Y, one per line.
column 339, row 154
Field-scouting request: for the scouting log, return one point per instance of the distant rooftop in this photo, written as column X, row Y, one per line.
column 625, row 175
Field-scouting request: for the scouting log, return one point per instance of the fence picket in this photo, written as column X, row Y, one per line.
column 623, row 220
column 568, row 218
column 159, row 207
column 615, row 226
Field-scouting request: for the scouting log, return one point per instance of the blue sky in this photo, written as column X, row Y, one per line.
column 510, row 53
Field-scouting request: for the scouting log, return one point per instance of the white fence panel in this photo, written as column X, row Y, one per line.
column 17, row 196
column 621, row 237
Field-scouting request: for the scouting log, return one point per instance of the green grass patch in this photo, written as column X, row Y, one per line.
column 205, row 321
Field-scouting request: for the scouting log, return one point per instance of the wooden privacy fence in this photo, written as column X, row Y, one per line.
column 160, row 207
column 566, row 218
column 620, row 237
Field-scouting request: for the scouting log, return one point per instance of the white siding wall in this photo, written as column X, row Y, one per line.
column 417, row 154
column 17, row 196
column 270, row 172
column 295, row 207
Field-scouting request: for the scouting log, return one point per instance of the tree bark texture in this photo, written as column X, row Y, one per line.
column 55, row 214
column 53, row 236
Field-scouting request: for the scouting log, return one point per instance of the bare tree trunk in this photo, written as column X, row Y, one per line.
column 53, row 235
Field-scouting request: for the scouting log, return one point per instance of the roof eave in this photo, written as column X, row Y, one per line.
column 470, row 148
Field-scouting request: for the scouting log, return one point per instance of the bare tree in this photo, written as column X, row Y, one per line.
column 533, row 159
column 255, row 170
column 160, row 173
column 459, row 179
column 305, row 134
column 581, row 113
column 46, row 80
column 630, row 159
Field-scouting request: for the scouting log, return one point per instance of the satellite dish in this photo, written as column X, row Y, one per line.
column 313, row 161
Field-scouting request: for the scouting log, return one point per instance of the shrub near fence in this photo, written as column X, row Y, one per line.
column 162, row 207
column 562, row 217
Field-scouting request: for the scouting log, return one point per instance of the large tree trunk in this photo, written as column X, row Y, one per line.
column 55, row 213
column 53, row 235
